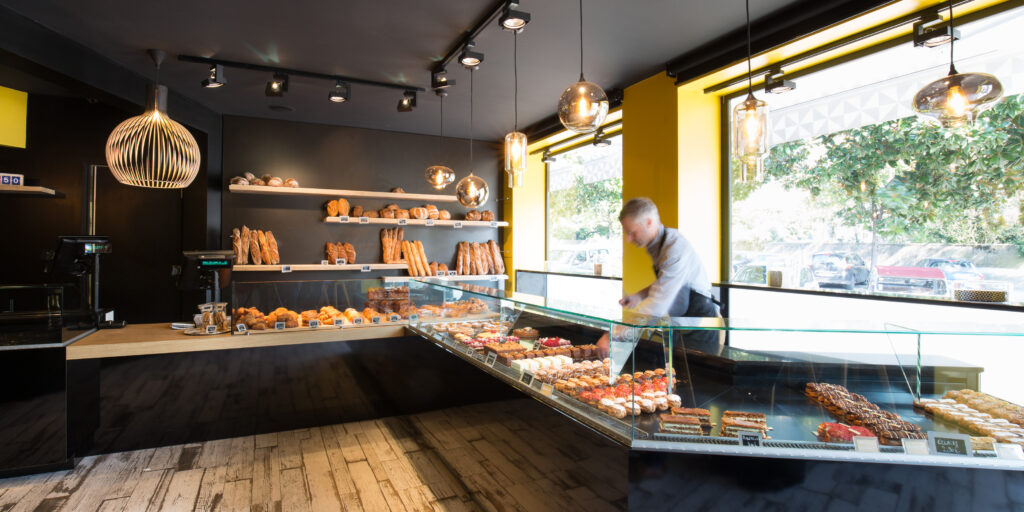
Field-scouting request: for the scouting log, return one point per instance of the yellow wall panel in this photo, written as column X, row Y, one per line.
column 525, row 208
column 13, row 117
column 700, row 184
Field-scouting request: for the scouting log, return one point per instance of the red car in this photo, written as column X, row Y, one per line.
column 926, row 280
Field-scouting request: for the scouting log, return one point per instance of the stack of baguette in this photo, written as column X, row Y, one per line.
column 415, row 258
column 254, row 246
column 335, row 250
column 479, row 259
column 391, row 244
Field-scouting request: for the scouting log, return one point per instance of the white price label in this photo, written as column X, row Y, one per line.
column 286, row 269
column 457, row 225
column 279, row 326
column 314, row 324
column 915, row 446
column 546, row 389
column 441, row 273
column 491, row 358
column 1009, row 451
column 375, row 320
column 340, row 261
column 343, row 218
column 211, row 329
column 453, row 273
column 414, row 317
column 357, row 320
column 865, row 444
column 365, row 268
column 403, row 222
column 394, row 318
column 325, row 262
column 429, row 222
column 494, row 223
column 364, row 220
column 241, row 328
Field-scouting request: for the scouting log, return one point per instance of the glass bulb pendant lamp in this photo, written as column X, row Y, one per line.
column 515, row 142
column 583, row 105
column 152, row 150
column 957, row 99
column 750, row 126
column 440, row 176
column 471, row 191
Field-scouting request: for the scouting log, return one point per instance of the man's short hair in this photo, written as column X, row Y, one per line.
column 639, row 208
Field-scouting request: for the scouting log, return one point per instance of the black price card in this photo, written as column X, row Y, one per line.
column 279, row 326
column 365, row 268
column 536, row 384
column 945, row 443
column 526, row 378
column 286, row 269
column 211, row 329
column 491, row 358
column 750, row 439
column 340, row 261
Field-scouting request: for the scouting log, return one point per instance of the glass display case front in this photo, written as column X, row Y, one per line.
column 883, row 391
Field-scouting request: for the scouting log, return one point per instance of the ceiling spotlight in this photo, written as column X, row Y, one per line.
column 341, row 93
column 931, row 32
column 469, row 58
column 408, row 101
column 278, row 86
column 600, row 140
column 439, row 80
column 776, row 84
column 513, row 20
column 216, row 78
column 547, row 158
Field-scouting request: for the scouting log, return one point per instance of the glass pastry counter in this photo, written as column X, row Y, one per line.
column 869, row 390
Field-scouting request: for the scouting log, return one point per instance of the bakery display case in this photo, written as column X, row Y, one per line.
column 924, row 393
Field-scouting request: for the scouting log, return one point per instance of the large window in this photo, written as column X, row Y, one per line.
column 584, row 197
column 860, row 193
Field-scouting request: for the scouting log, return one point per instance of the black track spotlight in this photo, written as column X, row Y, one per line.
column 512, row 19
column 216, row 78
column 341, row 93
column 278, row 85
column 600, row 140
column 408, row 101
column 439, row 80
column 547, row 158
column 469, row 58
column 776, row 84
column 932, row 31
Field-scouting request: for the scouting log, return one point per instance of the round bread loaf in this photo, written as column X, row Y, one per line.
column 418, row 213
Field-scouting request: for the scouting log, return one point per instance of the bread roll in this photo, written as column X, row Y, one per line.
column 487, row 215
column 401, row 214
column 257, row 181
column 332, row 208
column 444, row 214
column 291, row 182
column 418, row 213
column 387, row 213
column 472, row 215
column 441, row 267
column 275, row 182
column 343, row 207
column 432, row 212
column 275, row 256
column 433, row 268
column 370, row 214
column 350, row 252
column 357, row 211
column 238, row 180
column 391, row 206
column 398, row 190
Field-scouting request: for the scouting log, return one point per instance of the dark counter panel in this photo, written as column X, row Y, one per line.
column 33, row 417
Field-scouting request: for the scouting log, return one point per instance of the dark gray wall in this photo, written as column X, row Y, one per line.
column 324, row 156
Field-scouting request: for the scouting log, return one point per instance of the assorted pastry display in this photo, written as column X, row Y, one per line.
column 978, row 413
column 335, row 251
column 856, row 410
column 475, row 258
column 265, row 180
column 254, row 246
column 255, row 320
column 390, row 300
column 457, row 309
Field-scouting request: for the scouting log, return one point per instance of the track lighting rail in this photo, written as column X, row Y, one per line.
column 297, row 72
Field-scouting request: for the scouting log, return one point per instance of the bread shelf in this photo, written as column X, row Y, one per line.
column 27, row 191
column 316, row 267
column 491, row 277
column 415, row 222
column 331, row 192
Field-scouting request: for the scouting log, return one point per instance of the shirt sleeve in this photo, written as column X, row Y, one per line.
column 662, row 293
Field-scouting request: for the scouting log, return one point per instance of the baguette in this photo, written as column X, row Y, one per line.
column 467, row 259
column 488, row 260
column 236, row 244
column 264, row 248
column 499, row 263
column 254, row 249
column 424, row 263
column 409, row 260
column 485, row 262
column 461, row 266
column 458, row 258
column 244, row 258
column 275, row 256
column 384, row 246
column 474, row 266
column 350, row 253
column 329, row 252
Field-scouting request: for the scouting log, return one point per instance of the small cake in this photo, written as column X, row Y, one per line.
column 675, row 400
column 680, row 425
column 526, row 333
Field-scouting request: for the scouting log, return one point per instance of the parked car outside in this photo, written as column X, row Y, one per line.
column 953, row 269
column 916, row 280
column 839, row 269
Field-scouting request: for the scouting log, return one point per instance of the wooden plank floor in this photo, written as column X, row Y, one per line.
column 504, row 456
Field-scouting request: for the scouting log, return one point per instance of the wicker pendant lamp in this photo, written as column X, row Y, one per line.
column 152, row 150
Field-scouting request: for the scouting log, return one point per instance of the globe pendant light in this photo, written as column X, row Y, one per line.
column 471, row 191
column 750, row 126
column 515, row 142
column 583, row 105
column 440, row 176
column 151, row 150
column 957, row 99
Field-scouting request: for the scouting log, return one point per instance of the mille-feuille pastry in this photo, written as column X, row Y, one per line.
column 732, row 428
column 676, row 424
column 754, row 417
column 702, row 415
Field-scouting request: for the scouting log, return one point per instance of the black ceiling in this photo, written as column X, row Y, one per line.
column 393, row 41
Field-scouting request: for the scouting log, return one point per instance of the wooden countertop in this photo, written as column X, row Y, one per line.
column 148, row 339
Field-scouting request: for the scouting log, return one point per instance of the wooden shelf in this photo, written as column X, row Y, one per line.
column 316, row 267
column 27, row 191
column 347, row 194
column 415, row 222
column 398, row 279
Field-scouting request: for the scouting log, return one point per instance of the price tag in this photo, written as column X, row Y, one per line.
column 357, row 320
column 491, row 358
column 453, row 273
column 536, row 384
column 314, row 324
column 526, row 378
column 546, row 389
column 944, row 443
column 429, row 222
column 375, row 320
column 414, row 317
column 240, row 328
column 1009, row 451
column 365, row 268
column 749, row 439
column 286, row 269
column 211, row 329
column 915, row 446
column 865, row 444
column 403, row 222
column 457, row 225
column 469, row 350
column 279, row 326
column 340, row 261
column 325, row 262
column 343, row 218
column 206, row 308
column 441, row 273
column 494, row 223
column 394, row 318
column 364, row 220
